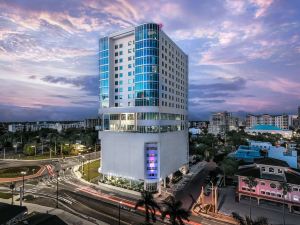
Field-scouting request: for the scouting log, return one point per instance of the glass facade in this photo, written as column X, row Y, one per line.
column 146, row 65
column 104, row 72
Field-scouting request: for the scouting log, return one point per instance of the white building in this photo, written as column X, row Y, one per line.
column 222, row 122
column 195, row 131
column 269, row 129
column 143, row 105
column 36, row 126
column 282, row 121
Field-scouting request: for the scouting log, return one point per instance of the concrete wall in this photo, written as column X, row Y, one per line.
column 123, row 153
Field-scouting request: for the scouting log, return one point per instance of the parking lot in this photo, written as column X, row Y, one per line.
column 272, row 211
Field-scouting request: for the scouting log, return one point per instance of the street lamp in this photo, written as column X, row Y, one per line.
column 33, row 146
column 23, row 191
column 57, row 172
column 12, row 187
column 82, row 168
column 212, row 193
column 120, row 212
column 89, row 167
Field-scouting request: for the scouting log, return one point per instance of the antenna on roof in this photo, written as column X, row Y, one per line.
column 160, row 26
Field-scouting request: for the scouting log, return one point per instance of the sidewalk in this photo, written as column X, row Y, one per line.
column 106, row 187
column 65, row 216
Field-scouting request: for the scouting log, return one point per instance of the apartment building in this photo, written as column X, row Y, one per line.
column 143, row 105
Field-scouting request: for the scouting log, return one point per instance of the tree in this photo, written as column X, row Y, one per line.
column 175, row 212
column 150, row 205
column 286, row 188
column 252, row 183
column 229, row 166
column 248, row 221
column 29, row 149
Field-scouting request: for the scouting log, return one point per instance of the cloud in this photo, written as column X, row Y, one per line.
column 45, row 113
column 233, row 84
column 237, row 50
column 86, row 83
column 262, row 6
column 281, row 85
column 236, row 7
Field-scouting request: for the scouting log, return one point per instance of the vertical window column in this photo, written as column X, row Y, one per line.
column 104, row 72
column 146, row 65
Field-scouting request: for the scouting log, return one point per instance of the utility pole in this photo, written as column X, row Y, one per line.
column 42, row 147
column 21, row 195
column 120, row 213
column 216, row 200
column 55, row 147
column 57, row 188
column 23, row 174
column 12, row 187
column 89, row 167
column 212, row 194
column 61, row 150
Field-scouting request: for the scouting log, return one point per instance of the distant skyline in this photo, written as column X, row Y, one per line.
column 244, row 55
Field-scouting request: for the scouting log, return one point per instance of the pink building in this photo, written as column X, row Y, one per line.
column 269, row 173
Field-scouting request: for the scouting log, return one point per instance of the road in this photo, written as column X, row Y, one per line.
column 192, row 190
column 97, row 203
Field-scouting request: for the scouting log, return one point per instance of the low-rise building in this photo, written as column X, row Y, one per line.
column 246, row 153
column 92, row 123
column 258, row 149
column 270, row 174
column 198, row 123
column 195, row 131
column 262, row 129
column 36, row 126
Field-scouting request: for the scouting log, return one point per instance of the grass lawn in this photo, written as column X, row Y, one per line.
column 5, row 195
column 16, row 171
column 90, row 170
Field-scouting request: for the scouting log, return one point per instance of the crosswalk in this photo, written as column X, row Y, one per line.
column 52, row 180
column 50, row 170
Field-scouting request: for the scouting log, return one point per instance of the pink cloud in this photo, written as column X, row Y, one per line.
column 281, row 85
column 262, row 5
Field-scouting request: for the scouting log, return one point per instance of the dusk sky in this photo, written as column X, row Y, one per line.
column 243, row 55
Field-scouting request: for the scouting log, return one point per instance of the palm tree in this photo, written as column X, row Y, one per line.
column 248, row 221
column 150, row 205
column 252, row 183
column 286, row 188
column 174, row 210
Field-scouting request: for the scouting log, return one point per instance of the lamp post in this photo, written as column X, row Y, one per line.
column 57, row 172
column 23, row 191
column 120, row 212
column 82, row 168
column 212, row 194
column 89, row 166
column 33, row 146
column 12, row 187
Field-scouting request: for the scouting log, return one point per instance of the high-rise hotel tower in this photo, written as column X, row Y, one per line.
column 143, row 105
